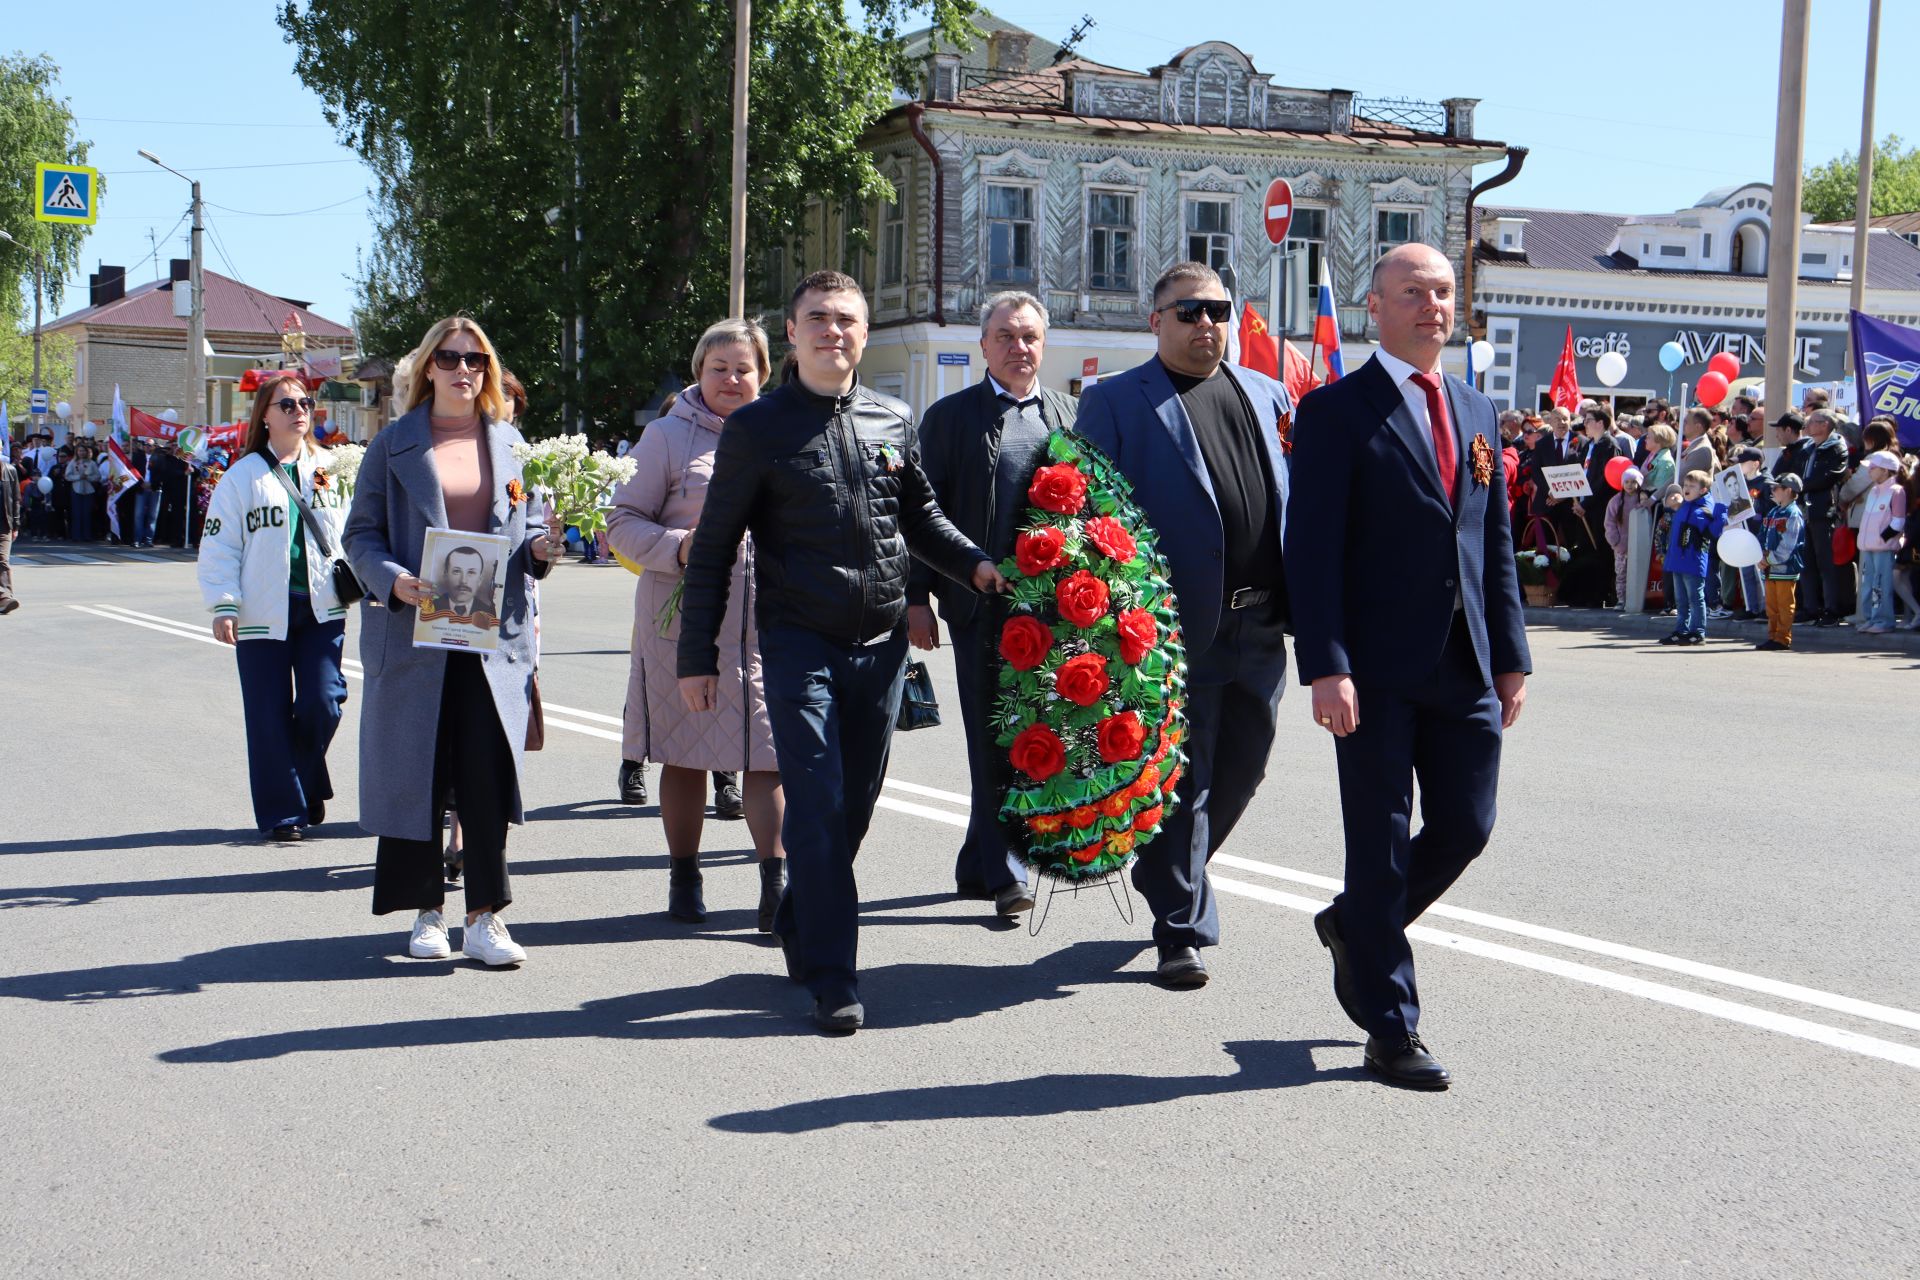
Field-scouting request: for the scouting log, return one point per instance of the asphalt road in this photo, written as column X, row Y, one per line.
column 1672, row 992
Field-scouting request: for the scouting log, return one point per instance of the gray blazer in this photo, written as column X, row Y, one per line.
column 396, row 500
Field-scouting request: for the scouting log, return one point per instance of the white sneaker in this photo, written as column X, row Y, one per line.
column 429, row 940
column 487, row 941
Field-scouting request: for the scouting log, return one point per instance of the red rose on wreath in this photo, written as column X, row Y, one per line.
column 1116, row 804
column 1112, row 538
column 1082, row 599
column 1121, row 842
column 1121, row 737
column 1061, row 489
column 1083, row 817
column 1025, row 642
column 1089, row 853
column 1039, row 550
column 1150, row 818
column 1038, row 752
column 1147, row 783
column 1047, row 823
column 1082, row 680
column 1138, row 632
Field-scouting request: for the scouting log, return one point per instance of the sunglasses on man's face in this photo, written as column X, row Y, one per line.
column 450, row 360
column 290, row 405
column 1189, row 310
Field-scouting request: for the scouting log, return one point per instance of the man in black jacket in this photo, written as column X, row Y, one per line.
column 828, row 477
column 1822, row 591
column 981, row 446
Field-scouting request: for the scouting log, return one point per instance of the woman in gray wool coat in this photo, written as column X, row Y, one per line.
column 439, row 726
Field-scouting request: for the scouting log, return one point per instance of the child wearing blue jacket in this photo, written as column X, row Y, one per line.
column 1697, row 521
column 1782, row 543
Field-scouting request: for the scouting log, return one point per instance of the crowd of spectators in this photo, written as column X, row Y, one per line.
column 164, row 507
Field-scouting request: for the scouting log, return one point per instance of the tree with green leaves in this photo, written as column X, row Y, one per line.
column 1830, row 189
column 464, row 121
column 35, row 126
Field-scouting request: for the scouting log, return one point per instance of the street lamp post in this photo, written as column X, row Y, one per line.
column 195, row 408
column 39, row 276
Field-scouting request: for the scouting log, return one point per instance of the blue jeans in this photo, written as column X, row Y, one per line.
column 831, row 705
column 292, row 691
column 1876, row 587
column 1692, row 591
column 146, row 514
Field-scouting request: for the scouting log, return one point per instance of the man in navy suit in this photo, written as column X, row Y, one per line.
column 1408, row 627
column 1200, row 442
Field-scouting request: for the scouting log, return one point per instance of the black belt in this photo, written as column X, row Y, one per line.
column 1247, row 597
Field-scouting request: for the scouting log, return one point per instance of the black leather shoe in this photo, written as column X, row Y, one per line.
column 288, row 834
column 727, row 802
column 773, row 883
column 839, row 1013
column 316, row 813
column 633, row 782
column 1181, row 968
column 684, row 899
column 1405, row 1061
column 1012, row 900
column 1327, row 925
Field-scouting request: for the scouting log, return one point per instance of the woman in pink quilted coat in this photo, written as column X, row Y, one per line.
column 651, row 524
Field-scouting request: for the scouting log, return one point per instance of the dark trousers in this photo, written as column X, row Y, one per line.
column 1233, row 694
column 1444, row 731
column 985, row 863
column 472, row 765
column 292, row 691
column 1820, row 591
column 831, row 705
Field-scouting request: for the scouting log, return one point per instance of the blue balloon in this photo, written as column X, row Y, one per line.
column 1672, row 356
column 573, row 535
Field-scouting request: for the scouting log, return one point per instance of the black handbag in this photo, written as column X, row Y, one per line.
column 919, row 709
column 346, row 584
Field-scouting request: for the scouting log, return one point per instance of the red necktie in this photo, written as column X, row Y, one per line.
column 1442, row 434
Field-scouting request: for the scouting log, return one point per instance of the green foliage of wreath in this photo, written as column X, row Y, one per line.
column 1102, row 797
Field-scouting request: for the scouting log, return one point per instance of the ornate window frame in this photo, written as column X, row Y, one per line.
column 1114, row 175
column 1014, row 168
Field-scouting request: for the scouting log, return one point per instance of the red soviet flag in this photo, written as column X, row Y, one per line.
column 1298, row 377
column 1565, row 388
column 1258, row 350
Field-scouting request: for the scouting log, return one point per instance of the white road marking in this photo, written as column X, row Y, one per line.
column 71, row 557
column 1712, row 1006
column 141, row 555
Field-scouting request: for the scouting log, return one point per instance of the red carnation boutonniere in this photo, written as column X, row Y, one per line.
column 516, row 494
column 322, row 481
column 1285, row 426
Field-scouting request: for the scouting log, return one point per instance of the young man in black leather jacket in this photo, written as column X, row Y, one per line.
column 827, row 475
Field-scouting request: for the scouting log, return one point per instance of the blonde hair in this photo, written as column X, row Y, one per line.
column 413, row 388
column 724, row 333
column 1662, row 436
column 1699, row 477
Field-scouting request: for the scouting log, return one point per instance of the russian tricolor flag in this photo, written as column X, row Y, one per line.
column 1326, row 337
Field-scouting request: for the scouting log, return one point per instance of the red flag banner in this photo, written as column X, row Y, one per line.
column 1298, row 375
column 1258, row 350
column 1565, row 388
column 148, row 427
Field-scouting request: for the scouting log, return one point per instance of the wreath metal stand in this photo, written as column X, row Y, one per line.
column 1122, row 897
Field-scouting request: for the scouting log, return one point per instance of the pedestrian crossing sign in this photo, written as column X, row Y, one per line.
column 68, row 192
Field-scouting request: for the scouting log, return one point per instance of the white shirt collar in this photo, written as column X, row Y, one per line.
column 1399, row 370
column 999, row 390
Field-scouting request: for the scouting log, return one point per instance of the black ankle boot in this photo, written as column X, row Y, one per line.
column 773, row 883
column 684, row 900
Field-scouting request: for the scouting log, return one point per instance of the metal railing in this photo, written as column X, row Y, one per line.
column 1408, row 113
column 1011, row 88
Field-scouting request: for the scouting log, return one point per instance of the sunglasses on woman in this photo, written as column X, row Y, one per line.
column 1189, row 310
column 288, row 404
column 450, row 360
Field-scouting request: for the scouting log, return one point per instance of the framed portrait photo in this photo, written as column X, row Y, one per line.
column 467, row 573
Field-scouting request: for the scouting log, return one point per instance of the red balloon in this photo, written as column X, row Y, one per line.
column 1617, row 468
column 1726, row 366
column 1713, row 387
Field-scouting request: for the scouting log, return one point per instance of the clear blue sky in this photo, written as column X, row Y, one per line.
column 1634, row 106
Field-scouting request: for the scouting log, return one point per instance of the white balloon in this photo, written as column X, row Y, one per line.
column 63, row 409
column 1611, row 369
column 1482, row 356
column 1739, row 548
column 169, row 415
column 46, row 484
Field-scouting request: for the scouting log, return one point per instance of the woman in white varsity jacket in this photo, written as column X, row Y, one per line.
column 270, row 587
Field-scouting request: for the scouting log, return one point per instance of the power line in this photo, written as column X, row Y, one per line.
column 289, row 213
column 205, row 124
column 221, row 168
column 220, row 246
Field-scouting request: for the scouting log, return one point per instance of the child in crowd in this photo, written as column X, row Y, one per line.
column 1697, row 521
column 1883, row 520
column 1631, row 498
column 1753, row 588
column 1783, row 545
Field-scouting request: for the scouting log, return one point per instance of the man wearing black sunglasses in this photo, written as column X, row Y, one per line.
column 1201, row 443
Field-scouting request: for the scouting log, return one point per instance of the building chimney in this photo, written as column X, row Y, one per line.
column 108, row 284
column 943, row 77
column 1460, row 116
column 1007, row 51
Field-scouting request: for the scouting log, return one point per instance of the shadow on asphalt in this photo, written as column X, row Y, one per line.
column 738, row 1006
column 1263, row 1064
column 138, row 840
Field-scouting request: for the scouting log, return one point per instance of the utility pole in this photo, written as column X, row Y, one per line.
column 1783, row 245
column 579, row 239
column 196, row 408
column 39, row 274
column 737, row 258
column 1863, row 198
